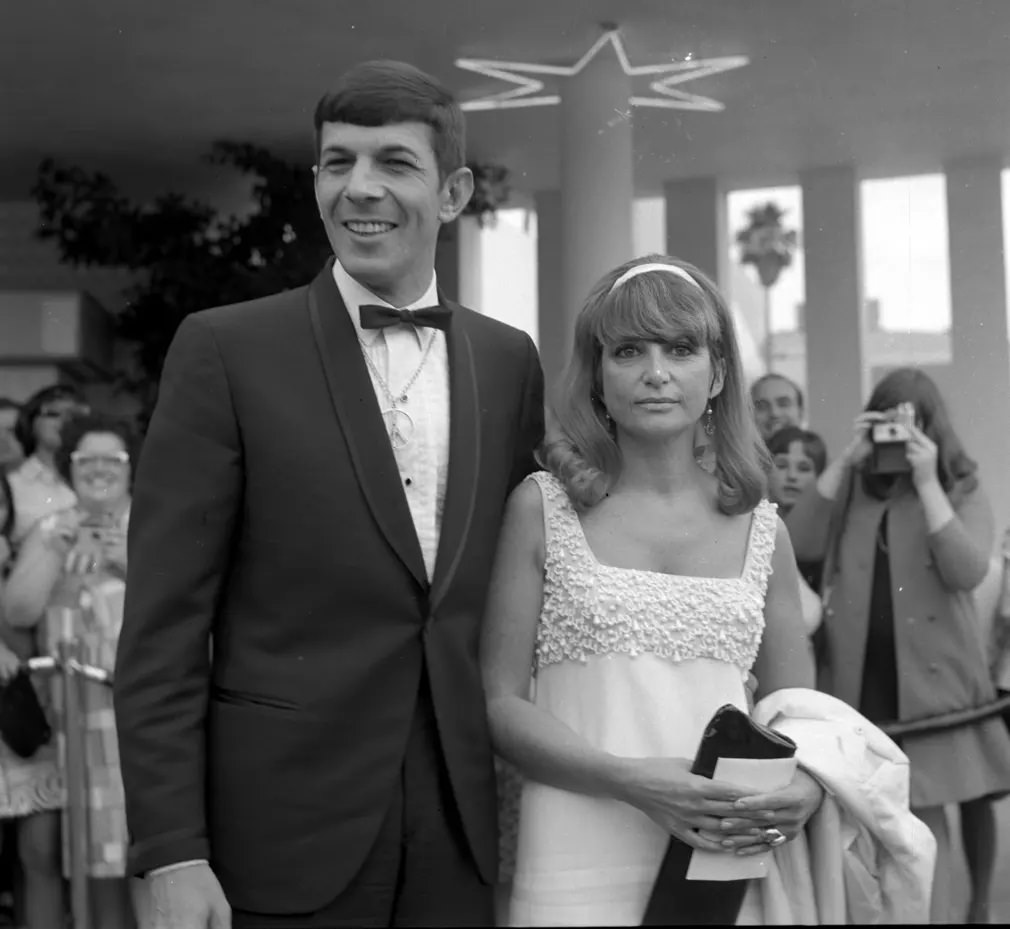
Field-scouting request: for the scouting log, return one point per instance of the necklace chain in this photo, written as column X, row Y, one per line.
column 401, row 397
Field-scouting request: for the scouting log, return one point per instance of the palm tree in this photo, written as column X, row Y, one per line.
column 769, row 246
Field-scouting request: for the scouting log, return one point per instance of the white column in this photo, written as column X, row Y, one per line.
column 696, row 226
column 597, row 173
column 978, row 389
column 470, row 245
column 836, row 371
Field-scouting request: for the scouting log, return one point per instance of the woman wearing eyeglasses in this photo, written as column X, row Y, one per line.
column 37, row 486
column 77, row 557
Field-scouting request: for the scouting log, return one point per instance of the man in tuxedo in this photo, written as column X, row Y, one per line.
column 301, row 722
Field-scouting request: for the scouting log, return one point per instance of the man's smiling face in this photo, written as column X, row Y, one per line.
column 382, row 201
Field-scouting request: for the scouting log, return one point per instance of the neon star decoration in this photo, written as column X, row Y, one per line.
column 527, row 91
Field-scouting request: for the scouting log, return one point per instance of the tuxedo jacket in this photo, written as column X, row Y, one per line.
column 278, row 613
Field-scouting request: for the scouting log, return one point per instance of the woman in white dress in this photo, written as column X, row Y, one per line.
column 632, row 594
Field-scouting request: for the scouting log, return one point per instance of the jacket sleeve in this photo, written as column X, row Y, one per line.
column 531, row 418
column 809, row 523
column 187, row 493
column 961, row 548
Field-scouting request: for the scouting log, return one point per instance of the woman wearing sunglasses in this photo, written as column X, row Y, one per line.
column 77, row 557
column 36, row 484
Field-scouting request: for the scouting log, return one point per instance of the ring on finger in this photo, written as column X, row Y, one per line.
column 772, row 837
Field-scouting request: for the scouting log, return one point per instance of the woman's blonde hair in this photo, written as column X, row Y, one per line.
column 580, row 448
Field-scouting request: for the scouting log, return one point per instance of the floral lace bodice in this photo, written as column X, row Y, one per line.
column 594, row 609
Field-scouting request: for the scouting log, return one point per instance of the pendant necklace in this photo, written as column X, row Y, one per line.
column 399, row 423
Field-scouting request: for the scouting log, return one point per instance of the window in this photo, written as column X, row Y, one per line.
column 906, row 266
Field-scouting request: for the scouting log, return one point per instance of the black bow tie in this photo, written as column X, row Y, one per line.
column 378, row 317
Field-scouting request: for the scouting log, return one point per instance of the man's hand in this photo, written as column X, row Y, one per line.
column 189, row 897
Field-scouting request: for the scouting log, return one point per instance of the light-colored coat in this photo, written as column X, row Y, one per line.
column 864, row 858
column 941, row 665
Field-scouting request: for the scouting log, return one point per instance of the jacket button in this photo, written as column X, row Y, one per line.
column 934, row 667
column 911, row 620
column 829, row 611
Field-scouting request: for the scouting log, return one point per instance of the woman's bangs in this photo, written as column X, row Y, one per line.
column 656, row 307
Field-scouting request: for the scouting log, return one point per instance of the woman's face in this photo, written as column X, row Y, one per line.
column 50, row 419
column 100, row 470
column 657, row 389
column 792, row 473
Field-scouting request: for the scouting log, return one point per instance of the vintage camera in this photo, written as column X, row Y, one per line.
column 889, row 440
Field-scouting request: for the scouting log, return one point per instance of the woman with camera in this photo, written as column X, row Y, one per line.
column 906, row 531
column 76, row 558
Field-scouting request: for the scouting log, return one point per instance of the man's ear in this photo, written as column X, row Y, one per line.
column 457, row 190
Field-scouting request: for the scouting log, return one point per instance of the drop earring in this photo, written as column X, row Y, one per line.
column 709, row 421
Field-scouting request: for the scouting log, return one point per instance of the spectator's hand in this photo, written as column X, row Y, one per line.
column 921, row 453
column 83, row 559
column 787, row 810
column 858, row 450
column 114, row 551
column 60, row 530
column 186, row 898
column 9, row 664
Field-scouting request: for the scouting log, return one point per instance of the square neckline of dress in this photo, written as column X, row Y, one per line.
column 738, row 578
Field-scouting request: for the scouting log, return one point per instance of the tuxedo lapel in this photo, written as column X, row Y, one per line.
column 357, row 410
column 464, row 455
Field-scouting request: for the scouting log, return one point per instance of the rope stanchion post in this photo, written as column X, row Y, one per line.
column 74, row 676
column 75, row 767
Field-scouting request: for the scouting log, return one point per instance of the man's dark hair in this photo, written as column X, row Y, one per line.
column 378, row 93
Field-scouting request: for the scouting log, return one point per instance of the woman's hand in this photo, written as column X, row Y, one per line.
column 690, row 807
column 82, row 559
column 59, row 531
column 921, row 453
column 858, row 450
column 114, row 551
column 786, row 810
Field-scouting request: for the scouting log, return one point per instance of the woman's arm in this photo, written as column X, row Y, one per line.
column 784, row 657
column 784, row 660
column 961, row 538
column 537, row 743
column 542, row 747
column 36, row 570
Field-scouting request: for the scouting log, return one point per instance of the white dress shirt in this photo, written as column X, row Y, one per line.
column 396, row 352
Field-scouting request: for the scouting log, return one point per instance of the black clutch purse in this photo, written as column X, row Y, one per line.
column 676, row 901
column 23, row 723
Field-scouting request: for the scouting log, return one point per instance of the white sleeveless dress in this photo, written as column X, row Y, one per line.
column 636, row 662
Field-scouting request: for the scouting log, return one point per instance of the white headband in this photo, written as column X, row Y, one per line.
column 654, row 266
